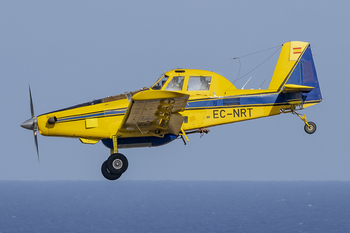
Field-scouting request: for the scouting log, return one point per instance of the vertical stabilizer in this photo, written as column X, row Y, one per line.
column 295, row 72
column 291, row 53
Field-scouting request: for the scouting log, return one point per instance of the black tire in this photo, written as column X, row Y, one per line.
column 311, row 129
column 117, row 163
column 107, row 174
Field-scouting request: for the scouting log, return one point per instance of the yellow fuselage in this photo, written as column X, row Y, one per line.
column 212, row 101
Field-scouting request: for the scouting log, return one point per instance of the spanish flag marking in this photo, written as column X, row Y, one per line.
column 297, row 50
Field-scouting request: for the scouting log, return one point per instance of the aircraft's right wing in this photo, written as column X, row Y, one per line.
column 154, row 112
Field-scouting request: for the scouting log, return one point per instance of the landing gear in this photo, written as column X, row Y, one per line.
column 114, row 166
column 107, row 174
column 117, row 163
column 309, row 127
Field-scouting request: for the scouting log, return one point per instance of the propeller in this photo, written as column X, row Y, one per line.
column 32, row 124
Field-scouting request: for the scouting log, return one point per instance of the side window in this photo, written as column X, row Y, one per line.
column 198, row 83
column 176, row 83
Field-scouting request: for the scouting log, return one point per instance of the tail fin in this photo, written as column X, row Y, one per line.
column 295, row 72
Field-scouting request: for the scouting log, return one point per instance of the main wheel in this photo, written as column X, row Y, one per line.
column 311, row 129
column 107, row 174
column 117, row 163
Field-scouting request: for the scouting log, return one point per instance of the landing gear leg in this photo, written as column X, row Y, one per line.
column 309, row 127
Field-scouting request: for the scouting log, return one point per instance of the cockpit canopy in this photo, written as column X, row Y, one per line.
column 193, row 82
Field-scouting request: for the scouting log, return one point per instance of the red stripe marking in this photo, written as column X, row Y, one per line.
column 295, row 50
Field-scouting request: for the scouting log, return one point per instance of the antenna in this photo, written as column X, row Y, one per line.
column 261, row 85
column 238, row 78
column 246, row 82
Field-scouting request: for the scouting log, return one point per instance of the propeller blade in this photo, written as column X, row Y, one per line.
column 31, row 103
column 36, row 144
column 32, row 124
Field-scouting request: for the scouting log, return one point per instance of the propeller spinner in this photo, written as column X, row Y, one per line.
column 31, row 123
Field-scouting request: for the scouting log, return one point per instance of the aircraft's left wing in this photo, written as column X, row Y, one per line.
column 154, row 112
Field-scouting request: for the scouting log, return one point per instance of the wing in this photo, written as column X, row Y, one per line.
column 154, row 113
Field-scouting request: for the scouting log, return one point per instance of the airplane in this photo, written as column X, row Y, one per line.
column 182, row 102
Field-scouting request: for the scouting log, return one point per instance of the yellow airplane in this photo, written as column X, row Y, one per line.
column 181, row 102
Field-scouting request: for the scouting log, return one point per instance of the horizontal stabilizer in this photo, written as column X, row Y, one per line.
column 290, row 88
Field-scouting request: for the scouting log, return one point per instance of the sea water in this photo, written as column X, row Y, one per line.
column 174, row 206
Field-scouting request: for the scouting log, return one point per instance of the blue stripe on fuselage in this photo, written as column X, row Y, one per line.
column 238, row 101
column 273, row 99
column 98, row 114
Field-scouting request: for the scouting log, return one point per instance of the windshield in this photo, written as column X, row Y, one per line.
column 160, row 83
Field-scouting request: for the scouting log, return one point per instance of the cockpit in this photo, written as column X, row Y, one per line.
column 196, row 83
column 183, row 83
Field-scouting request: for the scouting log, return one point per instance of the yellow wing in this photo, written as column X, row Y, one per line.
column 154, row 113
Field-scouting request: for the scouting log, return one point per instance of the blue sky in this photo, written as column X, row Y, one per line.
column 76, row 51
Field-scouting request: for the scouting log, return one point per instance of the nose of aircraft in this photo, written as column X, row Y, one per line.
column 29, row 124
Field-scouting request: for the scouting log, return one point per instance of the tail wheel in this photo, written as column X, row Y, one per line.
column 107, row 174
column 311, row 128
column 117, row 163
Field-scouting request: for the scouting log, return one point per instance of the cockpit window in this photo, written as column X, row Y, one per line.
column 198, row 83
column 176, row 83
column 158, row 85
